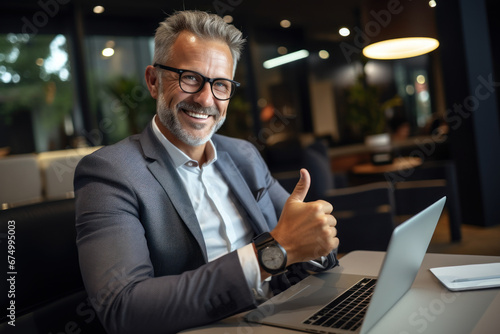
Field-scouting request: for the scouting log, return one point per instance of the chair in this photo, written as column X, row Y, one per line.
column 425, row 185
column 321, row 177
column 49, row 292
column 20, row 180
column 283, row 154
column 58, row 170
column 365, row 216
column 315, row 159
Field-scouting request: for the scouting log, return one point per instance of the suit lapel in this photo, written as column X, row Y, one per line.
column 163, row 170
column 239, row 187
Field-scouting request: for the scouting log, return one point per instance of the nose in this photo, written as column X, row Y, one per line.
column 205, row 97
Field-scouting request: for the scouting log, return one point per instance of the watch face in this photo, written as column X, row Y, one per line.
column 272, row 257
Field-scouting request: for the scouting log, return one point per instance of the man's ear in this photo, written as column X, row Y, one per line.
column 152, row 81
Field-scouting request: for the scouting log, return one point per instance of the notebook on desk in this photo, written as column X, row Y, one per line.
column 333, row 302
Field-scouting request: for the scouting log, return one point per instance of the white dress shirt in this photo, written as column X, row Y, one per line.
column 219, row 214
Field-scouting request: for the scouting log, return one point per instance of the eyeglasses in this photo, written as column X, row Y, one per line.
column 192, row 82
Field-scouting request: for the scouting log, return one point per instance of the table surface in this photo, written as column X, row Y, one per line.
column 428, row 307
column 399, row 163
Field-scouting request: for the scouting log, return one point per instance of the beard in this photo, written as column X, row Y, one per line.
column 168, row 117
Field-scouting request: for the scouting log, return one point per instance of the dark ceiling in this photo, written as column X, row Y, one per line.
column 314, row 23
column 315, row 19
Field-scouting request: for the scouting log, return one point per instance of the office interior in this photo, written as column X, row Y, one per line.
column 72, row 81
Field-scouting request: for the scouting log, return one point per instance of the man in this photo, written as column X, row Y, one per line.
column 171, row 222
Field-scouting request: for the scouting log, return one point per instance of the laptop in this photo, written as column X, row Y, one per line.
column 332, row 302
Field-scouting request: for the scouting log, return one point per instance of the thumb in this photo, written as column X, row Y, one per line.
column 302, row 187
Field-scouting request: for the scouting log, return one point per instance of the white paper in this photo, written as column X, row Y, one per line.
column 469, row 277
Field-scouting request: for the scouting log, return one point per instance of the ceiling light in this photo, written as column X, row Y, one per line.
column 398, row 32
column 108, row 52
column 344, row 32
column 323, row 54
column 98, row 9
column 400, row 48
column 421, row 79
column 285, row 24
column 286, row 59
column 432, row 3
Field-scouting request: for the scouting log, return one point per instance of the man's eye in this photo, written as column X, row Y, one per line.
column 191, row 79
column 222, row 86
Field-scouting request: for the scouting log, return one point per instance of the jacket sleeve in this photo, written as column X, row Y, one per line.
column 118, row 273
column 297, row 272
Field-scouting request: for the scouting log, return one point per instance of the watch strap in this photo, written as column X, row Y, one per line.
column 262, row 239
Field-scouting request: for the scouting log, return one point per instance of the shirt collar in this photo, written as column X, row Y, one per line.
column 180, row 158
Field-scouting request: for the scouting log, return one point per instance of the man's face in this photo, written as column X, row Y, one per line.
column 193, row 118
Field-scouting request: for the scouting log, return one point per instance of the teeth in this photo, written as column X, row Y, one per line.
column 196, row 115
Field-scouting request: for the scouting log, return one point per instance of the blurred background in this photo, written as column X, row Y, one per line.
column 384, row 131
column 72, row 80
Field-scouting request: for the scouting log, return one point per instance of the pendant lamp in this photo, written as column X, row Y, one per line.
column 396, row 29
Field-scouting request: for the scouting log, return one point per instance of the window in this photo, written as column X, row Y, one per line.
column 120, row 101
column 36, row 93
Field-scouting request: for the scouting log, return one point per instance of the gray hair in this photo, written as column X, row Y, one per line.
column 202, row 24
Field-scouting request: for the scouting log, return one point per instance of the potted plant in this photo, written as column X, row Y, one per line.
column 367, row 116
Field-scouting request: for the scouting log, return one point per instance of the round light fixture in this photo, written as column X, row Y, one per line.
column 344, row 32
column 285, row 24
column 400, row 48
column 402, row 33
column 421, row 79
column 98, row 9
column 108, row 52
column 323, row 54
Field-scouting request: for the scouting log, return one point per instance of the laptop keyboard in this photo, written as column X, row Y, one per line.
column 347, row 310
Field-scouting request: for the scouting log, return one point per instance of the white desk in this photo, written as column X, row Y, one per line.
column 427, row 308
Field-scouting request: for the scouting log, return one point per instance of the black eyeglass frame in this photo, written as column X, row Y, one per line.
column 205, row 80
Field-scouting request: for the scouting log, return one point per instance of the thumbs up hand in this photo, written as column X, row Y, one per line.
column 306, row 229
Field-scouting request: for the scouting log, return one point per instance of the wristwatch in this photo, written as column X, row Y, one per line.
column 271, row 256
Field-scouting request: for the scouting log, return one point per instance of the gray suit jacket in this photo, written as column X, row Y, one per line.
column 142, row 254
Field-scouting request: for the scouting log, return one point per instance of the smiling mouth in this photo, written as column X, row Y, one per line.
column 195, row 114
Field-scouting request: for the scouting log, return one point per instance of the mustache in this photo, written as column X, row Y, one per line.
column 211, row 111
